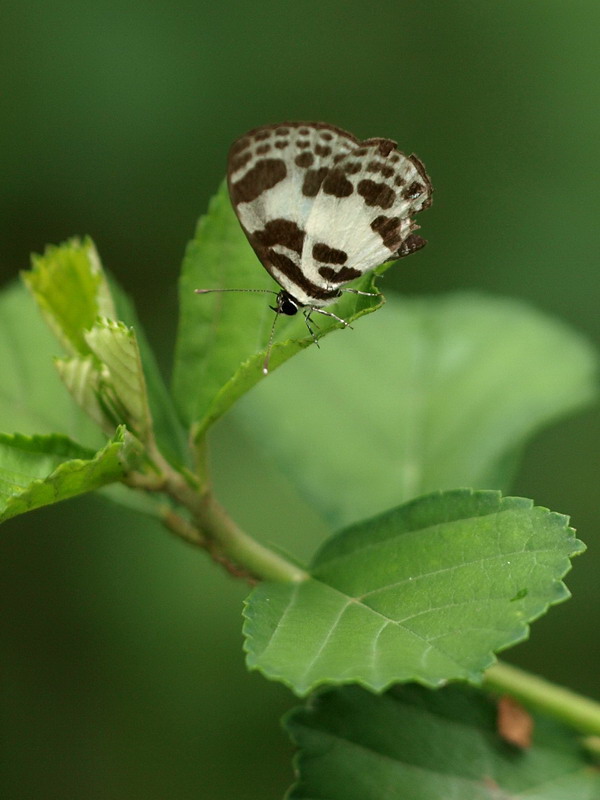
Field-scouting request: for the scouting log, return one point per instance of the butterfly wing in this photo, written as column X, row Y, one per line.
column 321, row 208
column 362, row 215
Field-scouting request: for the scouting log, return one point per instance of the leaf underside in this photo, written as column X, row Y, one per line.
column 411, row 743
column 426, row 592
column 430, row 393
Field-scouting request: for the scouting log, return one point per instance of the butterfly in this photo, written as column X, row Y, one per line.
column 321, row 207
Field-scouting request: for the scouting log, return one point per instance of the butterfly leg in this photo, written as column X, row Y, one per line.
column 358, row 291
column 330, row 314
column 308, row 321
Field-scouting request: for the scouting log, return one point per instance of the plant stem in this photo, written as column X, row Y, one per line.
column 579, row 712
column 213, row 528
column 182, row 528
column 259, row 560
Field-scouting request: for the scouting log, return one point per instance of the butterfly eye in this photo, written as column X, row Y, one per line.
column 285, row 305
column 289, row 308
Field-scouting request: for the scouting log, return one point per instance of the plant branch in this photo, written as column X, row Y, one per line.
column 261, row 562
column 212, row 528
column 181, row 527
column 580, row 712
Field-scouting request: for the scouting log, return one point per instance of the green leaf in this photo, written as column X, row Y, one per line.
column 70, row 288
column 83, row 378
column 109, row 383
column 222, row 337
column 429, row 394
column 115, row 346
column 33, row 399
column 411, row 743
column 169, row 433
column 426, row 592
column 37, row 471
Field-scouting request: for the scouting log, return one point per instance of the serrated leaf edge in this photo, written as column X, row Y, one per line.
column 474, row 677
column 127, row 450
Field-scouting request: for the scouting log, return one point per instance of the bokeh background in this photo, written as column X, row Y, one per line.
column 122, row 672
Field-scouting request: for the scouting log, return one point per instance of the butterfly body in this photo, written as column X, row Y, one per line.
column 320, row 208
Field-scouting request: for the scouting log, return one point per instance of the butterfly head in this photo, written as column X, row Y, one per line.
column 285, row 304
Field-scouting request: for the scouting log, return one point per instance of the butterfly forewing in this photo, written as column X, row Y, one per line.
column 321, row 208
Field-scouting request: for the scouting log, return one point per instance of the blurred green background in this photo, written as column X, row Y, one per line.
column 122, row 672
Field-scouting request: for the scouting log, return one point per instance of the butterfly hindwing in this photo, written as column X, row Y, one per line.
column 320, row 207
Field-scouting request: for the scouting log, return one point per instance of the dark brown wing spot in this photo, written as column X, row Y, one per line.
column 327, row 272
column 295, row 274
column 328, row 255
column 322, row 150
column 240, row 161
column 411, row 244
column 283, row 232
column 261, row 135
column 262, row 149
column 343, row 275
column 313, row 180
column 376, row 194
column 326, row 135
column 302, row 144
column 413, row 191
column 337, row 184
column 384, row 146
column 399, row 180
column 426, row 180
column 282, row 143
column 303, row 131
column 265, row 174
column 389, row 230
column 282, row 131
column 380, row 166
column 238, row 146
column 352, row 167
column 362, row 151
column 305, row 160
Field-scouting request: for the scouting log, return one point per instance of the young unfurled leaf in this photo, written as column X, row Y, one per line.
column 104, row 370
column 37, row 471
column 115, row 347
column 222, row 337
column 431, row 393
column 411, row 743
column 82, row 377
column 169, row 432
column 70, row 288
column 109, row 383
column 426, row 592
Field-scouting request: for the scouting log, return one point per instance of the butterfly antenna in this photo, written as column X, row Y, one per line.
column 208, row 291
column 265, row 368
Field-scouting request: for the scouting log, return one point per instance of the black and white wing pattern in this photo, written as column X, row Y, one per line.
column 320, row 208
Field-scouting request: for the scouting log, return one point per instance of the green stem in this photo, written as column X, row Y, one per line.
column 579, row 712
column 214, row 529
column 245, row 551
